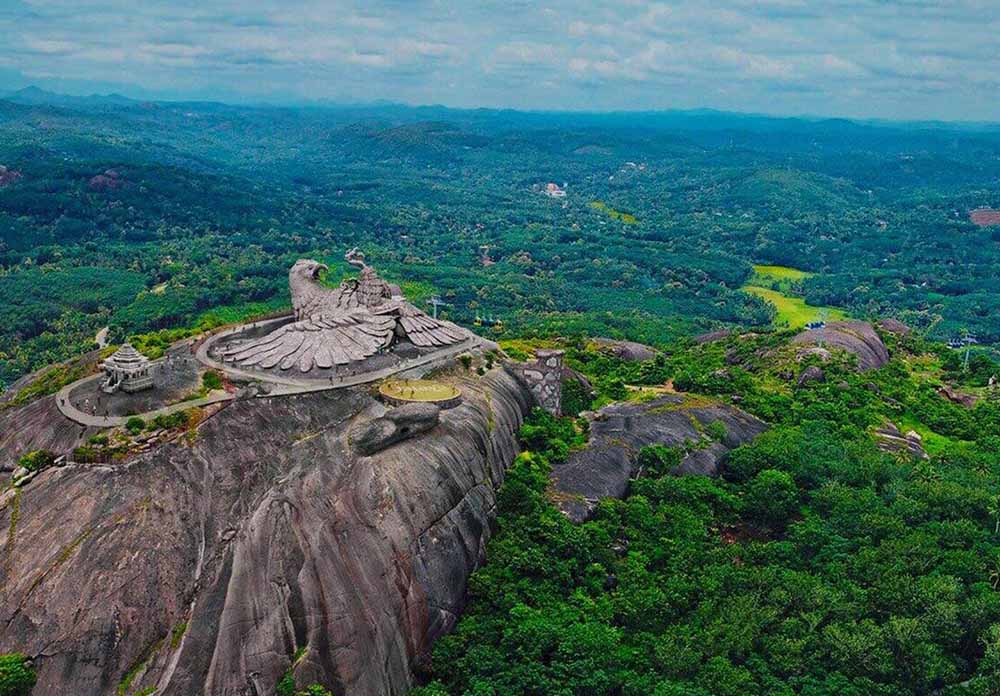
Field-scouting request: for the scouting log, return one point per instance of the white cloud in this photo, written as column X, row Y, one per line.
column 841, row 56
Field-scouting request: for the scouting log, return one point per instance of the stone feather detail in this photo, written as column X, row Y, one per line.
column 323, row 341
column 425, row 331
column 342, row 325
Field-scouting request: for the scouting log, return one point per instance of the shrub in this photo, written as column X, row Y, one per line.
column 37, row 460
column 17, row 677
column 86, row 454
column 657, row 460
column 466, row 361
column 612, row 388
column 178, row 419
column 99, row 439
column 211, row 380
column 548, row 435
column 286, row 687
column 772, row 498
column 575, row 397
column 717, row 430
column 314, row 690
column 135, row 425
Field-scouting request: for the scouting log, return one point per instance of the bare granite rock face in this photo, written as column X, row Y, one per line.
column 856, row 337
column 204, row 565
column 712, row 336
column 957, row 397
column 811, row 374
column 37, row 425
column 894, row 326
column 617, row 433
column 890, row 439
column 629, row 351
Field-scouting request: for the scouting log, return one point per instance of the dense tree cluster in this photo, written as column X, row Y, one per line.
column 211, row 204
column 819, row 564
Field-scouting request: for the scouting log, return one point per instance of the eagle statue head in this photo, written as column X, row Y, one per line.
column 307, row 269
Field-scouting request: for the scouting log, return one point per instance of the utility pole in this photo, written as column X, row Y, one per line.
column 436, row 302
column 968, row 339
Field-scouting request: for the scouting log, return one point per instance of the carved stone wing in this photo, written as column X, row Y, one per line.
column 426, row 331
column 322, row 341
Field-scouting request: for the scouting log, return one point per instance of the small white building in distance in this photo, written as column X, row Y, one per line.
column 553, row 191
column 126, row 370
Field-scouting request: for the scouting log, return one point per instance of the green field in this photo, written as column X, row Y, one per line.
column 793, row 312
column 779, row 273
column 603, row 207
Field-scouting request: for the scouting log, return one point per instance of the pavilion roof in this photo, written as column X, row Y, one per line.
column 126, row 357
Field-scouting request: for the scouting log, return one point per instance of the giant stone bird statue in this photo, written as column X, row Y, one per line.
column 339, row 326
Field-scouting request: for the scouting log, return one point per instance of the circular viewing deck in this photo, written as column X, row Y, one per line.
column 404, row 391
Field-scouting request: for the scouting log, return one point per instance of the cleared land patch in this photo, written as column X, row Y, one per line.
column 984, row 217
column 627, row 218
column 780, row 273
column 793, row 311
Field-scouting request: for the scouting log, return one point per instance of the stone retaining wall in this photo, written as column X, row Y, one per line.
column 543, row 378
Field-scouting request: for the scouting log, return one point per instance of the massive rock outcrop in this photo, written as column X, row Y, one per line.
column 856, row 337
column 204, row 566
column 629, row 351
column 603, row 469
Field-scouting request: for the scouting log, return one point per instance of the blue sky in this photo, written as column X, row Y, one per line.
column 900, row 59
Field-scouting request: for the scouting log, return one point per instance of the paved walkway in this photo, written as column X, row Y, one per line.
column 74, row 414
column 280, row 386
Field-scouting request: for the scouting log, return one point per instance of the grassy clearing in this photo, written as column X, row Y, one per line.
column 780, row 273
column 603, row 207
column 523, row 349
column 793, row 312
column 932, row 442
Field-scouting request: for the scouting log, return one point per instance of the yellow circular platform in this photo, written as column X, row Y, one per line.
column 422, row 390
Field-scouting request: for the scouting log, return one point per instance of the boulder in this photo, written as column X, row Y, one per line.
column 37, row 425
column 712, row 336
column 890, row 439
column 957, row 397
column 857, row 337
column 396, row 425
column 617, row 432
column 815, row 351
column 811, row 374
column 894, row 326
column 629, row 351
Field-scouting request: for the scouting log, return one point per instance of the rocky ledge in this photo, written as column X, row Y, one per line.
column 857, row 337
column 617, row 433
column 205, row 566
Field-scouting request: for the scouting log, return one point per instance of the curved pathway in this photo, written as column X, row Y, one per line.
column 74, row 414
column 280, row 386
